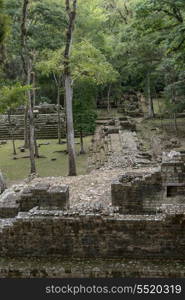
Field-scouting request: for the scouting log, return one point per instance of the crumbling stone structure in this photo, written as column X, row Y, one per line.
column 45, row 124
column 145, row 193
column 173, row 175
column 42, row 108
column 57, row 234
column 131, row 190
column 130, row 105
column 38, row 222
column 101, row 147
column 22, row 198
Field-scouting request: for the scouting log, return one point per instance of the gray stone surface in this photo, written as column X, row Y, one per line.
column 2, row 183
column 137, row 193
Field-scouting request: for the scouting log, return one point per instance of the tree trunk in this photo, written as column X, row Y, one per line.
column 108, row 99
column 33, row 85
column 36, row 147
column 159, row 107
column 13, row 143
column 71, row 11
column 175, row 123
column 70, row 127
column 31, row 124
column 58, row 85
column 27, row 68
column 150, row 101
column 173, row 101
column 26, row 138
column 33, row 97
column 11, row 133
column 82, row 151
column 23, row 28
column 58, row 113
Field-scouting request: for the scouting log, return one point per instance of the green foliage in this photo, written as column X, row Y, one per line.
column 89, row 63
column 3, row 22
column 50, row 62
column 115, row 42
column 84, row 108
column 12, row 96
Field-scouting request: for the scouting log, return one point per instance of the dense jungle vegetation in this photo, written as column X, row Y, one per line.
column 81, row 54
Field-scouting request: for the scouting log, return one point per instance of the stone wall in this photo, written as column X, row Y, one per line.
column 22, row 198
column 130, row 104
column 37, row 221
column 173, row 175
column 47, row 233
column 102, row 145
column 137, row 193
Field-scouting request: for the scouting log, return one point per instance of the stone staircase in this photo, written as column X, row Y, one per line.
column 46, row 126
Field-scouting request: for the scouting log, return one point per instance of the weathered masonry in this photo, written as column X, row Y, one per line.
column 51, row 233
column 45, row 126
column 37, row 221
column 145, row 193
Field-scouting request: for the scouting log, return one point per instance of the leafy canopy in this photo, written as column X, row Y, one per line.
column 12, row 96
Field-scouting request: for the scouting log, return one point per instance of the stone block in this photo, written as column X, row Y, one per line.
column 131, row 191
column 57, row 198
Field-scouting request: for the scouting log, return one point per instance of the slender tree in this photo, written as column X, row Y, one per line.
column 58, row 83
column 71, row 12
column 27, row 67
column 149, row 96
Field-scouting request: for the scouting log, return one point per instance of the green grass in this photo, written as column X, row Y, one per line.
column 16, row 170
column 103, row 113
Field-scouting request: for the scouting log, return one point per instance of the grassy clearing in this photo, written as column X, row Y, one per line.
column 113, row 113
column 15, row 170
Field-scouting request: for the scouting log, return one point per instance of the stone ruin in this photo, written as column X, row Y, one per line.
column 115, row 144
column 42, row 108
column 46, row 126
column 147, row 219
column 173, row 175
column 130, row 104
column 22, row 198
column 139, row 193
column 132, row 192
column 101, row 148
